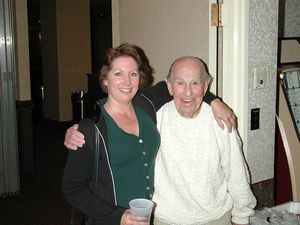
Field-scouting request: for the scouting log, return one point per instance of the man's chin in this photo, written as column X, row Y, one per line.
column 186, row 114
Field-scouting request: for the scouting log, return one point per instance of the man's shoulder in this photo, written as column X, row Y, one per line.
column 167, row 108
column 206, row 111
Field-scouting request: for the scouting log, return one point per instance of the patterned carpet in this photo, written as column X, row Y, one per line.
column 40, row 201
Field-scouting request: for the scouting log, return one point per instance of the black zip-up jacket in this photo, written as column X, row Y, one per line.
column 78, row 170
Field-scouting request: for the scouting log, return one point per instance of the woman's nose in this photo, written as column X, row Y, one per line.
column 127, row 79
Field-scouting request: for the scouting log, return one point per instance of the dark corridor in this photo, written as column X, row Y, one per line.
column 40, row 201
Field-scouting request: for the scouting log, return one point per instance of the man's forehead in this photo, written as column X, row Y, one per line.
column 186, row 67
column 187, row 75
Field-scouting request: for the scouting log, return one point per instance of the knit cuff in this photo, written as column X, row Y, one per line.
column 240, row 220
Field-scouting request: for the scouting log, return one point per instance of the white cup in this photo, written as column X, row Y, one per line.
column 141, row 207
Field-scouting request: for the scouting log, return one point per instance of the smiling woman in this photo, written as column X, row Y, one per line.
column 123, row 75
column 129, row 143
column 135, row 52
column 122, row 82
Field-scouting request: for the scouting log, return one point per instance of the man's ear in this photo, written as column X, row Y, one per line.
column 169, row 86
column 206, row 85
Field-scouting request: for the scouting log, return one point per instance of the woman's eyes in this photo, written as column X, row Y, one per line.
column 118, row 74
column 133, row 74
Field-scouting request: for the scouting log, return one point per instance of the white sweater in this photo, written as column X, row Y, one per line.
column 200, row 172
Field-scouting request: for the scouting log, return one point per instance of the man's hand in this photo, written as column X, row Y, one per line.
column 223, row 113
column 129, row 219
column 73, row 138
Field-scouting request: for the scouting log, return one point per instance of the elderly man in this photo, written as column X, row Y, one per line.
column 200, row 174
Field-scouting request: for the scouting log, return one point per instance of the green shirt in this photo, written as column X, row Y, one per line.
column 132, row 158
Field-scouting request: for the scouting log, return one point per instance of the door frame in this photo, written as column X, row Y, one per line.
column 235, row 20
column 213, row 51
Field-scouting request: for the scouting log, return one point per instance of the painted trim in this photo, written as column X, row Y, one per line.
column 235, row 61
column 212, row 57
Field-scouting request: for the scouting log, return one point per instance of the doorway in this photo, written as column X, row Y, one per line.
column 101, row 39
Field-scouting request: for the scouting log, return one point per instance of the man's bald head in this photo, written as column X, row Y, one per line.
column 190, row 61
column 188, row 81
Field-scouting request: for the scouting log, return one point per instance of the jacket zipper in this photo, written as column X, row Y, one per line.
column 111, row 173
column 149, row 101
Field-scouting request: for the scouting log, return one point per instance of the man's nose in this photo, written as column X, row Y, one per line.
column 188, row 90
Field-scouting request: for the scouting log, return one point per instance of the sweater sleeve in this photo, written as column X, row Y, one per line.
column 159, row 95
column 75, row 187
column 237, row 175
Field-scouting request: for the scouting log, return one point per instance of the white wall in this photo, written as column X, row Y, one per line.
column 291, row 18
column 263, row 34
column 165, row 29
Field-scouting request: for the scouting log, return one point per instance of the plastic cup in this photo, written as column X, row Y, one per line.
column 141, row 207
